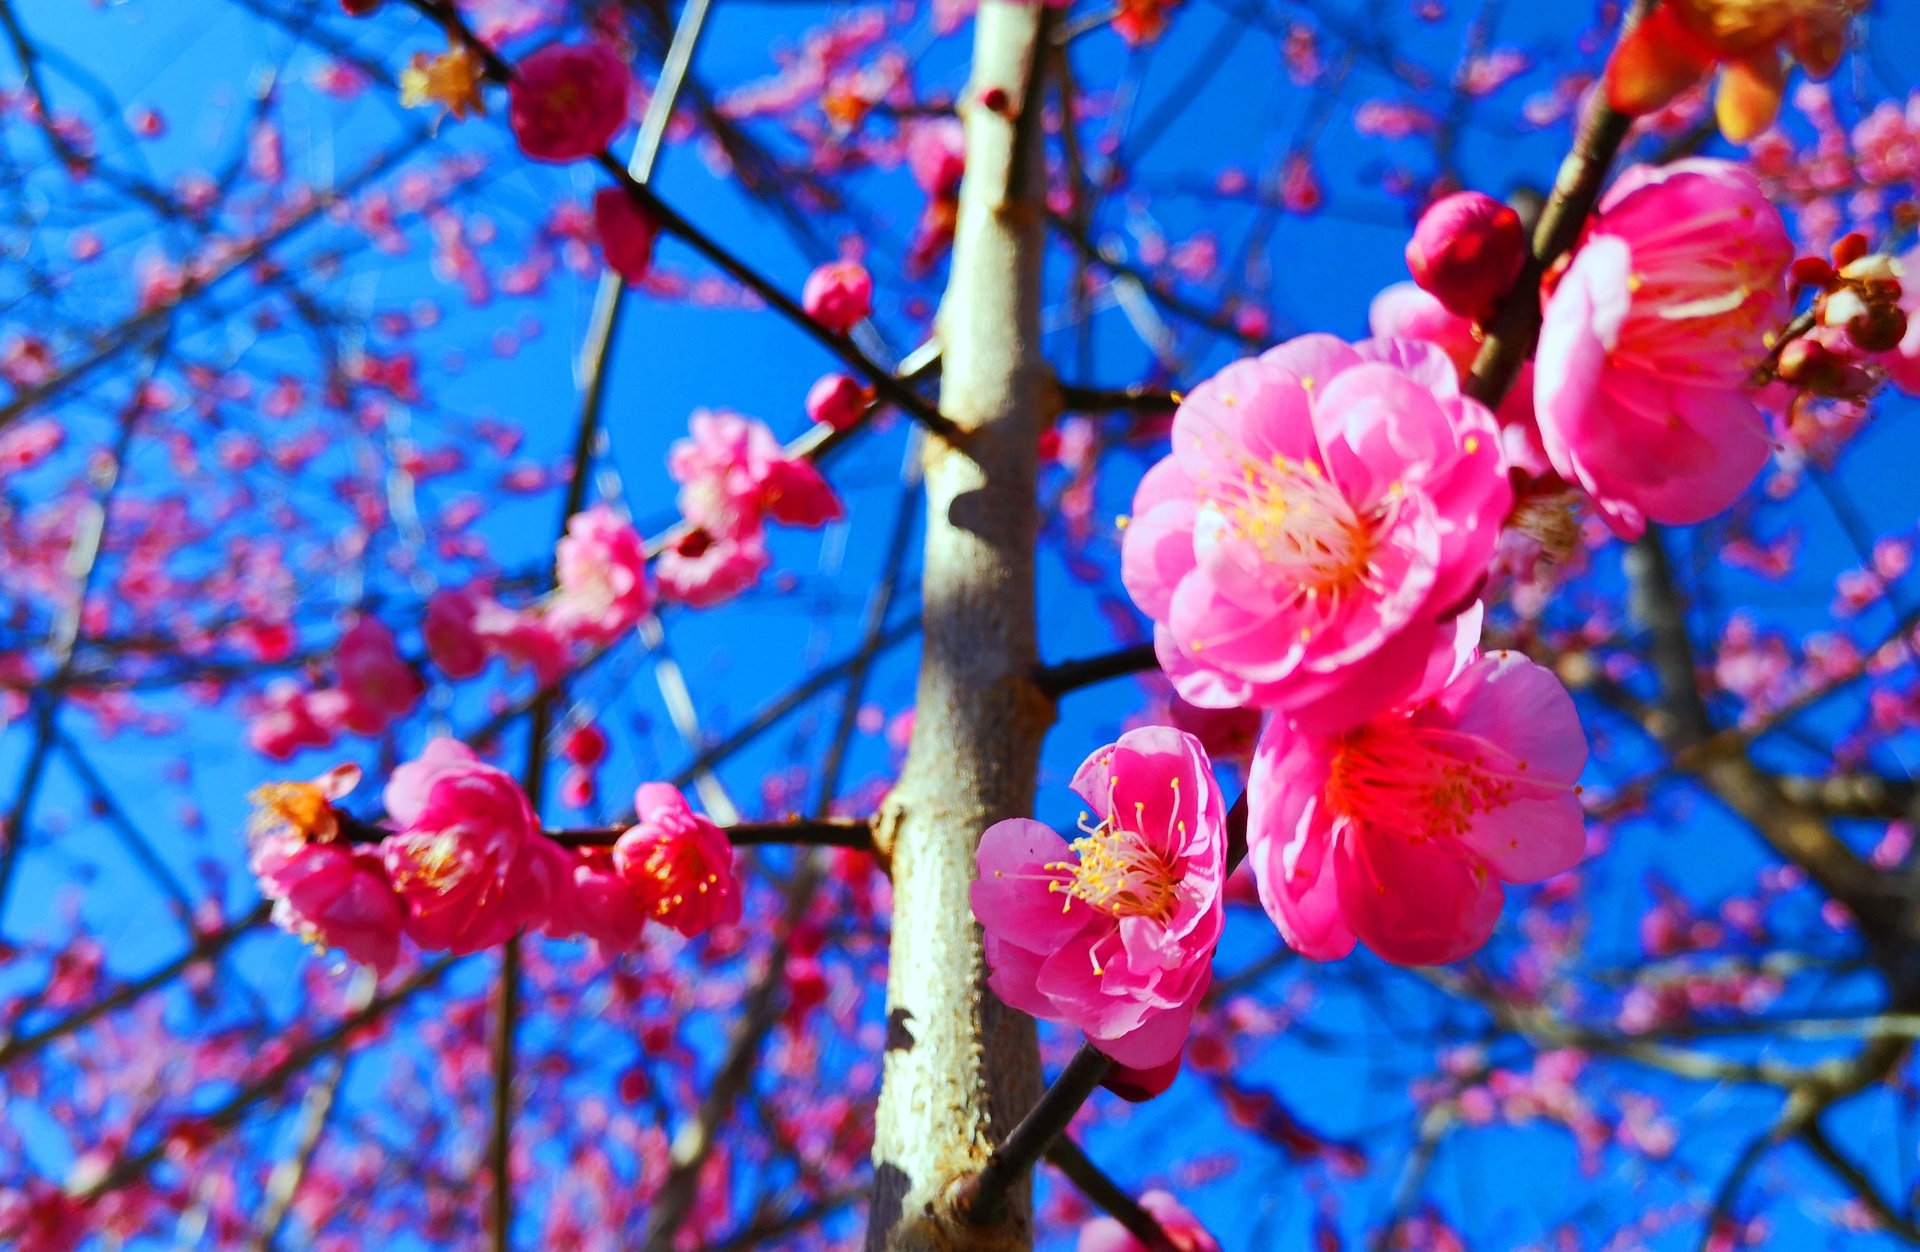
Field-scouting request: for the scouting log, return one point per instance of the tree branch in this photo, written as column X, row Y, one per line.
column 1058, row 680
column 1066, row 1156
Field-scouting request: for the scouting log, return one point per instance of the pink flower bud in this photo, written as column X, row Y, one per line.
column 569, row 102
column 1467, row 250
column 838, row 295
column 627, row 233
column 837, row 400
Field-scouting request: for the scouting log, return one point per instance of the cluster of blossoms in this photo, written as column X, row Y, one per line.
column 1315, row 549
column 461, row 864
column 602, row 591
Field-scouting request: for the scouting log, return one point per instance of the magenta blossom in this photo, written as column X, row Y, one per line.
column 601, row 568
column 453, row 643
column 1183, row 1229
column 838, row 295
column 605, row 907
column 1400, row 832
column 1113, row 933
column 1326, row 515
column 1649, row 340
column 678, row 862
column 328, row 892
column 378, row 685
column 733, row 474
column 290, row 720
column 461, row 859
column 567, row 103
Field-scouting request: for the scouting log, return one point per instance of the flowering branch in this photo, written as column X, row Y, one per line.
column 797, row 832
column 1576, row 190
column 499, row 70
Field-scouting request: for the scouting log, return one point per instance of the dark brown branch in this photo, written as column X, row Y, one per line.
column 1862, row 1186
column 981, row 1199
column 1066, row 1156
column 1576, row 190
column 1058, row 680
column 797, row 832
column 1124, row 400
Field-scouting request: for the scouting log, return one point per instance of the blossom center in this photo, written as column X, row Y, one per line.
column 1121, row 872
column 1308, row 535
column 678, row 869
column 1422, row 783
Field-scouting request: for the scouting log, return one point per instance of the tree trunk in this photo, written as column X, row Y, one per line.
column 961, row 1068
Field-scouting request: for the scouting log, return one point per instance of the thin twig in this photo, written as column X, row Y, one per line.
column 1093, row 1183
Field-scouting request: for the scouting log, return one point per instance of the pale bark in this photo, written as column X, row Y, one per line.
column 961, row 1067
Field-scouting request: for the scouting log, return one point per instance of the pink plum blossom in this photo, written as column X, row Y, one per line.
column 567, row 103
column 838, row 295
column 466, row 858
column 1902, row 365
column 1401, row 831
column 526, row 639
column 606, row 909
column 703, row 571
column 678, row 862
column 379, row 686
column 26, row 444
column 601, row 567
column 1327, row 514
column 326, row 891
column 1113, row 933
column 288, row 722
column 733, row 473
column 1183, row 1229
column 1403, row 311
column 453, row 643
column 1649, row 339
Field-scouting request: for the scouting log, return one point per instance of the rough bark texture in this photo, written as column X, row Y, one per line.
column 961, row 1067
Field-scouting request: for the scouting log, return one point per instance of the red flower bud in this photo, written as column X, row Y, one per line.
column 1812, row 271
column 1466, row 251
column 1850, row 249
column 627, row 233
column 1879, row 329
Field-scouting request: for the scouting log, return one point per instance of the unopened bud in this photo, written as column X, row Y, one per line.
column 1466, row 251
column 1850, row 249
column 1879, row 329
column 838, row 401
column 1812, row 271
column 1812, row 366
